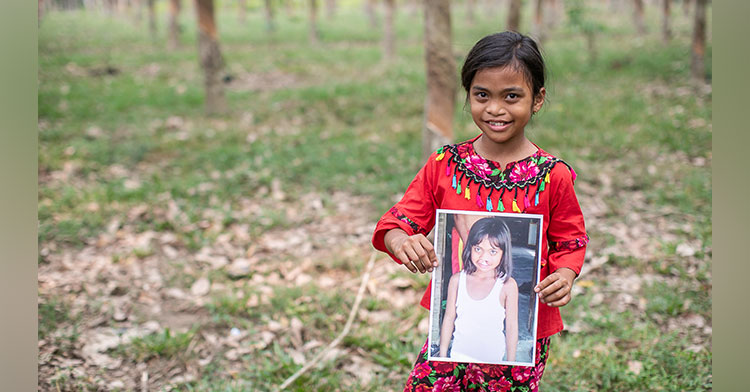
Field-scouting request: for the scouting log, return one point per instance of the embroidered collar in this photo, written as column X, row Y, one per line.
column 518, row 174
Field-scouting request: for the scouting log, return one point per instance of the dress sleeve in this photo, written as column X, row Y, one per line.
column 414, row 213
column 566, row 233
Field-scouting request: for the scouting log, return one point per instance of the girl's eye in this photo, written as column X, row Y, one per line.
column 512, row 96
column 481, row 94
column 493, row 252
column 477, row 249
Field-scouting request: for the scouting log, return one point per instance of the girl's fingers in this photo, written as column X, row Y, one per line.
column 561, row 302
column 431, row 256
column 414, row 257
column 401, row 255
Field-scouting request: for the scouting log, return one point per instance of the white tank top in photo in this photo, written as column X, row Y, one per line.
column 479, row 335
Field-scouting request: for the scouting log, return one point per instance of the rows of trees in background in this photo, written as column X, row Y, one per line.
column 439, row 63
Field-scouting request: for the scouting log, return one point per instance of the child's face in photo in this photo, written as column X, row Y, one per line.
column 485, row 256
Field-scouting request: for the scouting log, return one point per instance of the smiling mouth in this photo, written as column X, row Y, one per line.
column 497, row 123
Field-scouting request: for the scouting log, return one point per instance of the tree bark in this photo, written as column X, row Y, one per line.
column 441, row 78
column 269, row 13
column 372, row 17
column 470, row 6
column 312, row 17
column 330, row 9
column 697, row 63
column 173, row 37
column 210, row 57
column 389, row 40
column 40, row 13
column 686, row 7
column 242, row 11
column 514, row 15
column 538, row 27
column 666, row 28
column 638, row 17
column 152, row 19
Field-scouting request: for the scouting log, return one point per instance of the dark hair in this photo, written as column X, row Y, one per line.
column 508, row 48
column 497, row 232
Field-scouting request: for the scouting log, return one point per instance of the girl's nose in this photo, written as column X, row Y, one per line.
column 495, row 108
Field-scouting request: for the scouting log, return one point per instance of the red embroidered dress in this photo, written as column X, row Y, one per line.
column 456, row 177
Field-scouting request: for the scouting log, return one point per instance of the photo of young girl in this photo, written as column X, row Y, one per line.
column 477, row 313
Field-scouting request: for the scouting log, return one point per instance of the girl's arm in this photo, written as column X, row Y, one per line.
column 511, row 318
column 449, row 318
column 414, row 251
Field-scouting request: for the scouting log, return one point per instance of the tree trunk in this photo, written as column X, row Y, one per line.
column 289, row 8
column 372, row 17
column 538, row 28
column 210, row 57
column 470, row 6
column 686, row 7
column 389, row 40
column 313, row 34
column 152, row 19
column 697, row 63
column 242, row 11
column 173, row 37
column 666, row 28
column 553, row 16
column 441, row 77
column 514, row 15
column 330, row 9
column 638, row 17
column 268, row 9
column 40, row 13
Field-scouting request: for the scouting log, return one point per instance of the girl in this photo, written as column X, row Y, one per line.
column 482, row 298
column 498, row 170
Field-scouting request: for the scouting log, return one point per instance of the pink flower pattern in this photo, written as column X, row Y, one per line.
column 523, row 170
column 515, row 172
column 443, row 376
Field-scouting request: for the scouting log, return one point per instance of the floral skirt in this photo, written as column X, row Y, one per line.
column 437, row 376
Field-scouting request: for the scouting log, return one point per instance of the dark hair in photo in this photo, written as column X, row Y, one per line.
column 508, row 48
column 497, row 232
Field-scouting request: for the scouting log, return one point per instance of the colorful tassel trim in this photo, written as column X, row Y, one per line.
column 467, row 195
column 480, row 203
column 536, row 199
column 440, row 156
column 515, row 206
column 447, row 169
column 453, row 183
column 546, row 178
column 526, row 203
column 489, row 204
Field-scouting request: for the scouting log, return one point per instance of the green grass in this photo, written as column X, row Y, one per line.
column 333, row 118
column 165, row 344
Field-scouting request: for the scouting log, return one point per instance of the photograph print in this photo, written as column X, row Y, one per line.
column 483, row 305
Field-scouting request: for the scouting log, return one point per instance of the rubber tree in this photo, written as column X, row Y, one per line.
column 441, row 77
column 173, row 34
column 514, row 15
column 697, row 63
column 312, row 21
column 389, row 36
column 638, row 17
column 210, row 57
column 666, row 25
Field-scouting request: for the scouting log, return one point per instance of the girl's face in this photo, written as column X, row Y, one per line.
column 502, row 103
column 485, row 256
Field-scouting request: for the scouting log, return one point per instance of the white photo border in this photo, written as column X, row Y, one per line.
column 436, row 295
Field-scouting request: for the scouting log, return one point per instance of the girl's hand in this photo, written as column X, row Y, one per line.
column 554, row 290
column 415, row 251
